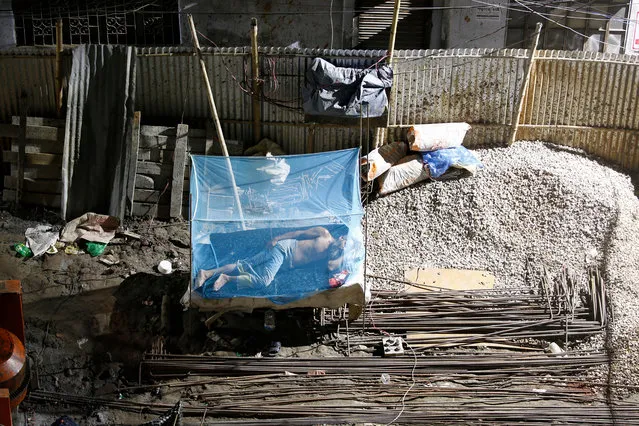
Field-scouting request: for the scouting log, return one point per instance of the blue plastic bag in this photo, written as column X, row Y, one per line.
column 440, row 161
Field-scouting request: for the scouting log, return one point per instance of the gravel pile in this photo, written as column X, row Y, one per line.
column 552, row 205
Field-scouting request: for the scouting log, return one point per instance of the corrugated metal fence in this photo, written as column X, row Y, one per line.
column 579, row 99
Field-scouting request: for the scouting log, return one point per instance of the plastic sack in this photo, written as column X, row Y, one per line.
column 430, row 137
column 95, row 249
column 408, row 171
column 382, row 158
column 441, row 160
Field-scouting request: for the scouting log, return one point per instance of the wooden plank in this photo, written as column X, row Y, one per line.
column 157, row 130
column 133, row 159
column 449, row 279
column 40, row 121
column 34, row 159
column 39, row 172
column 22, row 142
column 179, row 163
column 150, row 168
column 31, row 185
column 36, row 146
column 9, row 130
column 45, row 133
column 195, row 145
column 31, row 198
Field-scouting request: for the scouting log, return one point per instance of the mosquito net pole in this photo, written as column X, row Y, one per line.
column 216, row 119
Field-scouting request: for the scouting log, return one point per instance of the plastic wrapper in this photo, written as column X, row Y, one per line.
column 298, row 231
column 438, row 162
column 381, row 159
column 431, row 137
column 408, row 171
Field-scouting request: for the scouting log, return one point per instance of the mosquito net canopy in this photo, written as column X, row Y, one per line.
column 280, row 228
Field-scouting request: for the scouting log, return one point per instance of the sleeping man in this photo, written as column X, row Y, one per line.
column 290, row 250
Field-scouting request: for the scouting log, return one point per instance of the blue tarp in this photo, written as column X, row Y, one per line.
column 298, row 233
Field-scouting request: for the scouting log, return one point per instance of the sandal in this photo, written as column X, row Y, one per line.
column 274, row 349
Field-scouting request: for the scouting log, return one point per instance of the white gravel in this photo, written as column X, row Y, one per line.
column 553, row 205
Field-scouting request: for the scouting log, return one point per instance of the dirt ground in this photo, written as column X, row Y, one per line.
column 88, row 324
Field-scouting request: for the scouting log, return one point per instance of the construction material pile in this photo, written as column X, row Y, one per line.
column 533, row 202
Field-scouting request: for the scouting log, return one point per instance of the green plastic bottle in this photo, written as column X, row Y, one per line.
column 22, row 250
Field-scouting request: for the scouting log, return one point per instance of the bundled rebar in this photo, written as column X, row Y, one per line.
column 456, row 318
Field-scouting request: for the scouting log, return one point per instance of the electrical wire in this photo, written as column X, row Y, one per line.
column 412, row 375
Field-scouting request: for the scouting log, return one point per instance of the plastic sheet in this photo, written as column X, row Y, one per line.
column 298, row 232
column 441, row 160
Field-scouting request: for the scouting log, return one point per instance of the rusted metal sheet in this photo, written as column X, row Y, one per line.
column 29, row 72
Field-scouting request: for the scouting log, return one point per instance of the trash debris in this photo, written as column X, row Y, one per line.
column 72, row 249
column 81, row 342
column 52, row 250
column 385, row 378
column 165, row 267
column 109, row 260
column 431, row 137
column 555, row 348
column 22, row 250
column 316, row 373
column 129, row 234
column 92, row 227
column 40, row 238
column 95, row 249
column 393, row 346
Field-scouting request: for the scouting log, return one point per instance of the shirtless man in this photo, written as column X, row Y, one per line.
column 290, row 250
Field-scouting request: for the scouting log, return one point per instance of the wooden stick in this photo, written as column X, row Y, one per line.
column 58, row 66
column 22, row 142
column 133, row 158
column 179, row 163
column 257, row 111
column 383, row 132
column 524, row 87
column 216, row 119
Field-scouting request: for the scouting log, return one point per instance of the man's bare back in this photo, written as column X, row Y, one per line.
column 308, row 250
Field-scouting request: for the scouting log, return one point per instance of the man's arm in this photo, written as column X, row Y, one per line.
column 307, row 234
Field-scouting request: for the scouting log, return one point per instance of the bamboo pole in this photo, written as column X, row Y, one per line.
column 257, row 111
column 524, row 87
column 58, row 66
column 383, row 132
column 393, row 33
column 216, row 119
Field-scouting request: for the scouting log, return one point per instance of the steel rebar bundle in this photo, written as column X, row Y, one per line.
column 454, row 318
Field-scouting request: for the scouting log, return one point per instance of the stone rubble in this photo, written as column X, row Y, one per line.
column 534, row 203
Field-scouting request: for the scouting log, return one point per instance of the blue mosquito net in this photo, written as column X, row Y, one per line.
column 290, row 227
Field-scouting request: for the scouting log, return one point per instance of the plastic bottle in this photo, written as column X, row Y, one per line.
column 22, row 250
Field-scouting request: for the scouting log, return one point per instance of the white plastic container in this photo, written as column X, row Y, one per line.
column 165, row 267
